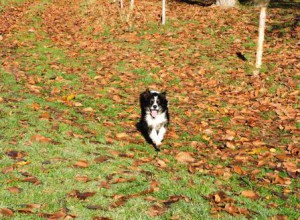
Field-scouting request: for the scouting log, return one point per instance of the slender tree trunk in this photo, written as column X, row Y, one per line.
column 131, row 5
column 121, row 4
column 226, row 3
column 163, row 16
column 261, row 36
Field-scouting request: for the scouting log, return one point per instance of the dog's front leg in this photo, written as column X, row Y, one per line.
column 154, row 137
column 161, row 134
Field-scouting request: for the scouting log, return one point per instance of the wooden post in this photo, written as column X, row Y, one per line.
column 163, row 16
column 261, row 36
column 131, row 5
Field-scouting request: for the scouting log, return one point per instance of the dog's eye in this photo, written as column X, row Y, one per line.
column 151, row 102
column 157, row 101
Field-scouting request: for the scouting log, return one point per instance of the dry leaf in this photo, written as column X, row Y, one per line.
column 250, row 194
column 81, row 164
column 185, row 157
column 40, row 138
column 6, row 212
column 156, row 210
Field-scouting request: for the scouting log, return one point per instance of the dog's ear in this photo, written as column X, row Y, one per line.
column 145, row 95
column 164, row 93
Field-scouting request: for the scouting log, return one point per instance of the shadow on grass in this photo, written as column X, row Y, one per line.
column 293, row 4
column 143, row 130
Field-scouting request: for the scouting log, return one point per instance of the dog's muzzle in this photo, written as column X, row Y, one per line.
column 153, row 112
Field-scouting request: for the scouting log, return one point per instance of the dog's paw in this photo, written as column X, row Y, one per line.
column 158, row 143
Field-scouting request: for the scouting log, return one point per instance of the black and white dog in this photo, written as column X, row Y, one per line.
column 155, row 116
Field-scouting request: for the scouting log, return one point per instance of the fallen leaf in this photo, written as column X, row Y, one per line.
column 88, row 109
column 161, row 163
column 16, row 154
column 250, row 194
column 122, row 135
column 120, row 202
column 102, row 218
column 31, row 179
column 123, row 180
column 102, row 159
column 234, row 210
column 14, row 189
column 185, row 157
column 79, row 195
column 81, row 164
column 40, row 138
column 238, row 170
column 84, row 179
column 8, row 169
column 6, row 212
column 156, row 210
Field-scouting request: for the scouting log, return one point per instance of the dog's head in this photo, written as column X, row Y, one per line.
column 153, row 102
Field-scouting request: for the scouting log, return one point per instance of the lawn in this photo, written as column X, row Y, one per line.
column 70, row 77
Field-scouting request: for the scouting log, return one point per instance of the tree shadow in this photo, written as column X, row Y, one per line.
column 285, row 4
column 291, row 25
column 198, row 2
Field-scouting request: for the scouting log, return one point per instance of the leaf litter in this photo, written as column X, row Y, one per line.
column 250, row 124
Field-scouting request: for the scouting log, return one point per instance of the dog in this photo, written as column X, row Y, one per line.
column 154, row 116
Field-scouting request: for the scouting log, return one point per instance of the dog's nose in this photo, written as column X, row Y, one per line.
column 154, row 106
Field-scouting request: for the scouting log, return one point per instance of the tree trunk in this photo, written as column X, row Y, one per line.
column 131, row 5
column 261, row 36
column 163, row 16
column 226, row 3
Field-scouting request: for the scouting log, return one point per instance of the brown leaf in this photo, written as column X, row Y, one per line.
column 35, row 106
column 14, row 189
column 220, row 197
column 161, row 163
column 8, row 169
column 279, row 217
column 234, row 210
column 104, row 184
column 88, row 109
column 250, row 194
column 123, row 180
column 57, row 215
column 6, row 212
column 33, row 206
column 31, row 179
column 16, row 154
column 79, row 195
column 157, row 210
column 238, row 170
column 122, row 136
column 120, row 202
column 81, row 164
column 25, row 210
column 258, row 143
column 174, row 199
column 84, row 179
column 102, row 218
column 40, row 138
column 45, row 115
column 185, row 157
column 101, row 159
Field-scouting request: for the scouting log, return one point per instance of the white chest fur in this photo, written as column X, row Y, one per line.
column 156, row 122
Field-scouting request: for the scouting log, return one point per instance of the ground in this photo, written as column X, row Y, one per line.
column 71, row 75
